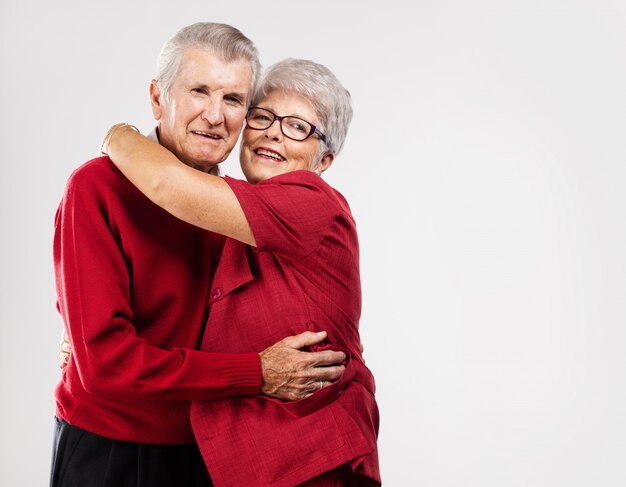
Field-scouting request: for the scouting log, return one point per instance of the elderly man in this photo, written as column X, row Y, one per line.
column 133, row 284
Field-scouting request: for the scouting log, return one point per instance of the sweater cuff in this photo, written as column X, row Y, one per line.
column 244, row 374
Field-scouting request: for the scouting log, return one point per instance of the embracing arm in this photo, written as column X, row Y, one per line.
column 286, row 372
column 198, row 198
column 94, row 298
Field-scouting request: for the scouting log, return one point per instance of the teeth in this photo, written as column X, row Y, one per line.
column 272, row 155
column 205, row 134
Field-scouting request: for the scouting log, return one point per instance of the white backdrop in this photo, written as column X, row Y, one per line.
column 486, row 167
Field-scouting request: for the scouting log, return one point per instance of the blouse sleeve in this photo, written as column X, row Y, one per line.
column 289, row 214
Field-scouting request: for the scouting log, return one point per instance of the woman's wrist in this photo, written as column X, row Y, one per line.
column 117, row 129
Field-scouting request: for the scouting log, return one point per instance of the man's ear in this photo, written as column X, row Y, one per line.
column 155, row 100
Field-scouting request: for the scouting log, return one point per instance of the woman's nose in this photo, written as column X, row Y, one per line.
column 274, row 131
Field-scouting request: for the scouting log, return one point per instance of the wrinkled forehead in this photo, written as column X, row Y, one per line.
column 204, row 67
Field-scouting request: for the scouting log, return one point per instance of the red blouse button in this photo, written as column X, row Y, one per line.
column 217, row 293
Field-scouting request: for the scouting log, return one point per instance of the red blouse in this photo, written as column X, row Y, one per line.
column 132, row 288
column 303, row 275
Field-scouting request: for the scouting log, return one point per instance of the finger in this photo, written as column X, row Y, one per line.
column 66, row 347
column 305, row 339
column 326, row 374
column 64, row 358
column 325, row 358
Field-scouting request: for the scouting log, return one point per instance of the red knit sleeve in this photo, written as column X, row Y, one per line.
column 93, row 289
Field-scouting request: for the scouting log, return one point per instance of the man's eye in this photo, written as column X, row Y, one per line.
column 233, row 100
column 202, row 91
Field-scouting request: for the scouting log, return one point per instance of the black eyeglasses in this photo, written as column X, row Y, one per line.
column 292, row 127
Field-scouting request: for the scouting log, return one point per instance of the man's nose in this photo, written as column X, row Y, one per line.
column 213, row 111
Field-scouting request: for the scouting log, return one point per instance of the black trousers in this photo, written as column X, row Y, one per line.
column 83, row 459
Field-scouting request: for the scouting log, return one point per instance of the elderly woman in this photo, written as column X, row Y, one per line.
column 291, row 264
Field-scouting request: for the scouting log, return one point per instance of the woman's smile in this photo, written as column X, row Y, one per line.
column 265, row 152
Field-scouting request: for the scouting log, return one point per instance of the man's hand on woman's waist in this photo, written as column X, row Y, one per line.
column 291, row 374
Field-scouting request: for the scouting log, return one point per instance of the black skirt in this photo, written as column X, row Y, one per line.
column 83, row 459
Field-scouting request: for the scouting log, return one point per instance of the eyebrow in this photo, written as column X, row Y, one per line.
column 294, row 115
column 206, row 87
column 236, row 94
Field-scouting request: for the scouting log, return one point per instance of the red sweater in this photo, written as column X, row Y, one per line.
column 133, row 283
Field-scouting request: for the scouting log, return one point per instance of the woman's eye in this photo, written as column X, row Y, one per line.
column 298, row 127
column 202, row 91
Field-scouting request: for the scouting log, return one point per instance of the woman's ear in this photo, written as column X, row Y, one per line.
column 326, row 162
column 155, row 100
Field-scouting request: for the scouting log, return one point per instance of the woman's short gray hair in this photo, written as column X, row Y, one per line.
column 321, row 87
column 222, row 40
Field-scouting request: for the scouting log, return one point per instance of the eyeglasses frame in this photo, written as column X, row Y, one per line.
column 280, row 119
